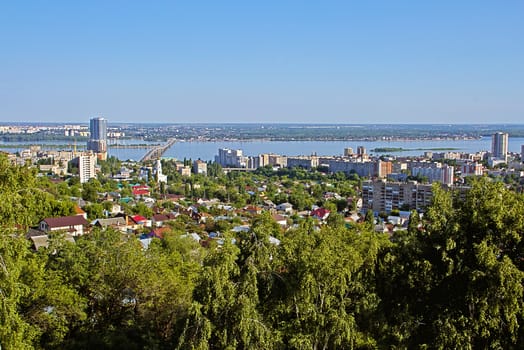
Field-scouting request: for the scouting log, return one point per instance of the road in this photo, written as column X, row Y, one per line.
column 158, row 151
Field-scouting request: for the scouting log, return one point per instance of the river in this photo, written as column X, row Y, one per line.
column 207, row 150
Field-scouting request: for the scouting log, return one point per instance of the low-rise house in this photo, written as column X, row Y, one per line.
column 140, row 221
column 208, row 203
column 174, row 197
column 285, row 207
column 332, row 195
column 268, row 204
column 158, row 220
column 40, row 239
column 320, row 213
column 395, row 220
column 204, row 217
column 74, row 225
column 253, row 210
column 80, row 212
column 140, row 190
column 353, row 217
column 117, row 223
column 159, row 232
column 149, row 201
column 281, row 220
column 193, row 213
column 115, row 209
column 241, row 228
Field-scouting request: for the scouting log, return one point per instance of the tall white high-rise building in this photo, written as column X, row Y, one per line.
column 499, row 145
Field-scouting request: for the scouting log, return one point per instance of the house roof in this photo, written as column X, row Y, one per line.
column 43, row 240
column 40, row 241
column 253, row 208
column 118, row 221
column 278, row 217
column 65, row 221
column 140, row 192
column 159, row 232
column 34, row 233
column 285, row 205
column 320, row 213
column 174, row 197
column 164, row 217
column 138, row 218
column 79, row 211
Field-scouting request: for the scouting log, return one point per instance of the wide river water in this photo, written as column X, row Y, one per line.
column 208, row 150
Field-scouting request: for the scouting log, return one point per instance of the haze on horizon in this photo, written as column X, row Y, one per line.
column 266, row 61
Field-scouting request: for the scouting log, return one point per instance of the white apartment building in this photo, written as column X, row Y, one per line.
column 86, row 167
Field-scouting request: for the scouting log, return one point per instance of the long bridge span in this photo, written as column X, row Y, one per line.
column 157, row 151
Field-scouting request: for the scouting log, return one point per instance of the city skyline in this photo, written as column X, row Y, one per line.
column 271, row 62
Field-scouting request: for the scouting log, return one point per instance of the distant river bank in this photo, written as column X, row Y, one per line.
column 208, row 150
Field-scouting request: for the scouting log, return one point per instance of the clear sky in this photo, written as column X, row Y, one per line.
column 389, row 61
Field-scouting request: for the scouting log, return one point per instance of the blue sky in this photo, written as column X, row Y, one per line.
column 263, row 61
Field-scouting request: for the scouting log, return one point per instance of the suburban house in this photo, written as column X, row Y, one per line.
column 80, row 211
column 285, row 207
column 160, row 219
column 140, row 190
column 117, row 223
column 138, row 221
column 281, row 220
column 40, row 239
column 74, row 225
column 253, row 210
column 320, row 213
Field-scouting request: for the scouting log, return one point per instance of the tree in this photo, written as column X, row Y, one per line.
column 456, row 283
column 414, row 221
column 322, row 294
column 94, row 211
column 369, row 220
column 15, row 331
column 90, row 190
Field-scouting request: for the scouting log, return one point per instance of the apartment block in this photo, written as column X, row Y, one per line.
column 387, row 196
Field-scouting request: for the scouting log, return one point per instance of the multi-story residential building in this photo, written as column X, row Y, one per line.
column 306, row 162
column 471, row 169
column 436, row 173
column 86, row 167
column 499, row 145
column 200, row 167
column 277, row 160
column 368, row 169
column 231, row 158
column 98, row 137
column 386, row 196
column 185, row 171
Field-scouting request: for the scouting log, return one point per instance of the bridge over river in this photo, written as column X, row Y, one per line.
column 157, row 151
